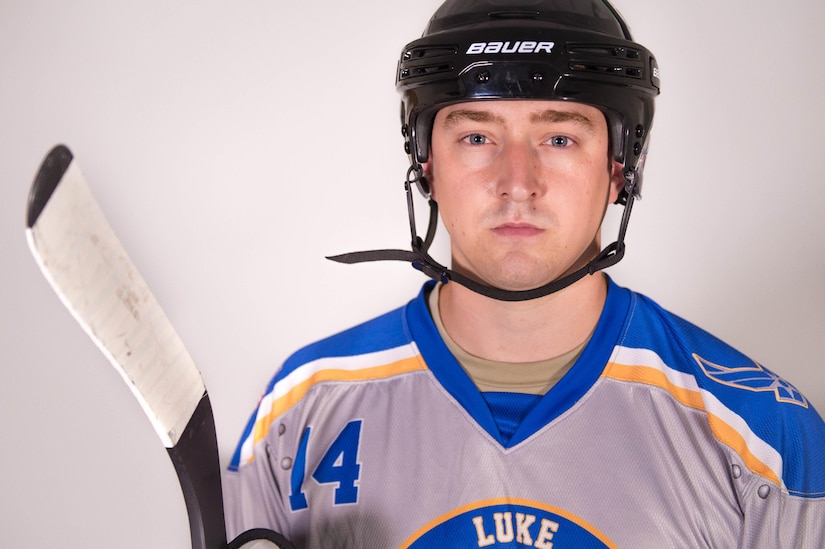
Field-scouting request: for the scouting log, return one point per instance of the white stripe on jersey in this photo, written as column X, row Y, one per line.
column 757, row 455
column 341, row 368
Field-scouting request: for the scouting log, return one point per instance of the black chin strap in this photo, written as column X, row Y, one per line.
column 419, row 257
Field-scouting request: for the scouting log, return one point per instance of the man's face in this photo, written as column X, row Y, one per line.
column 522, row 187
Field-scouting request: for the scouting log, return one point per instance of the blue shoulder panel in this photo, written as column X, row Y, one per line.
column 773, row 408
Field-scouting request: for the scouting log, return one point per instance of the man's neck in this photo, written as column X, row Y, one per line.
column 523, row 331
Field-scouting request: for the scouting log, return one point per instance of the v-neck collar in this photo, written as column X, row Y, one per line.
column 567, row 392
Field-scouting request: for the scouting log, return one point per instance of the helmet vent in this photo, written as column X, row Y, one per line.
column 424, row 70
column 513, row 14
column 430, row 51
column 424, row 55
column 604, row 50
column 616, row 70
column 605, row 59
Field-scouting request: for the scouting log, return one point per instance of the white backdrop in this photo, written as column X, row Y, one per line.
column 234, row 145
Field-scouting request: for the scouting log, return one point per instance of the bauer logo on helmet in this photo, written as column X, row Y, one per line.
column 526, row 46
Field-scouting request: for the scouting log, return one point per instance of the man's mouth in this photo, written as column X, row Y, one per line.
column 517, row 230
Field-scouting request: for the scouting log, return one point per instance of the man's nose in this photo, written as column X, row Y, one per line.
column 519, row 173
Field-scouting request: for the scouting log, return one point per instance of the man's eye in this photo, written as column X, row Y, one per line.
column 560, row 141
column 476, row 139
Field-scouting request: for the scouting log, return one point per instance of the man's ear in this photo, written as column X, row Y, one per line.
column 616, row 180
column 427, row 168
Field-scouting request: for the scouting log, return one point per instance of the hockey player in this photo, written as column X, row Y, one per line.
column 523, row 399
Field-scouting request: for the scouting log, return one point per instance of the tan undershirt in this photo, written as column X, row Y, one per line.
column 535, row 378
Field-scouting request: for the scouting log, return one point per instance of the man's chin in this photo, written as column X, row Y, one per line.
column 514, row 280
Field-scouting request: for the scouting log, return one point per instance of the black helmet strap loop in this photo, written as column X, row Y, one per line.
column 423, row 186
column 420, row 259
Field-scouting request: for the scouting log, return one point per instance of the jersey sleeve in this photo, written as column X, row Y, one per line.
column 251, row 489
column 251, row 500
column 783, row 516
column 779, row 519
column 771, row 435
column 264, row 484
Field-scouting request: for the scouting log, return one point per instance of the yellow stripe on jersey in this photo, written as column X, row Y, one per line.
column 645, row 367
column 291, row 389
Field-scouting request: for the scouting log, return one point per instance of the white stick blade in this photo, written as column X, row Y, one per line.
column 85, row 263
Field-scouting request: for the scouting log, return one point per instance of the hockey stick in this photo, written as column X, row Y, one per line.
column 83, row 260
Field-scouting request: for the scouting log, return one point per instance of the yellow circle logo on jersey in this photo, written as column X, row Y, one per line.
column 510, row 523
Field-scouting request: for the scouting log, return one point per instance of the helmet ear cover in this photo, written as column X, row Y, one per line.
column 532, row 61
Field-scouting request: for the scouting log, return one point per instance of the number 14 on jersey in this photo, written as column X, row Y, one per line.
column 338, row 466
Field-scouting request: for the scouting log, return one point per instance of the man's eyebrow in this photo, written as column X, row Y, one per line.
column 548, row 116
column 552, row 116
column 457, row 116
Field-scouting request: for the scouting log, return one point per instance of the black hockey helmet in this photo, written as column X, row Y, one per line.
column 576, row 50
column 568, row 50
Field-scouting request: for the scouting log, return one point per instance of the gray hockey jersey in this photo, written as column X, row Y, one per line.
column 660, row 436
